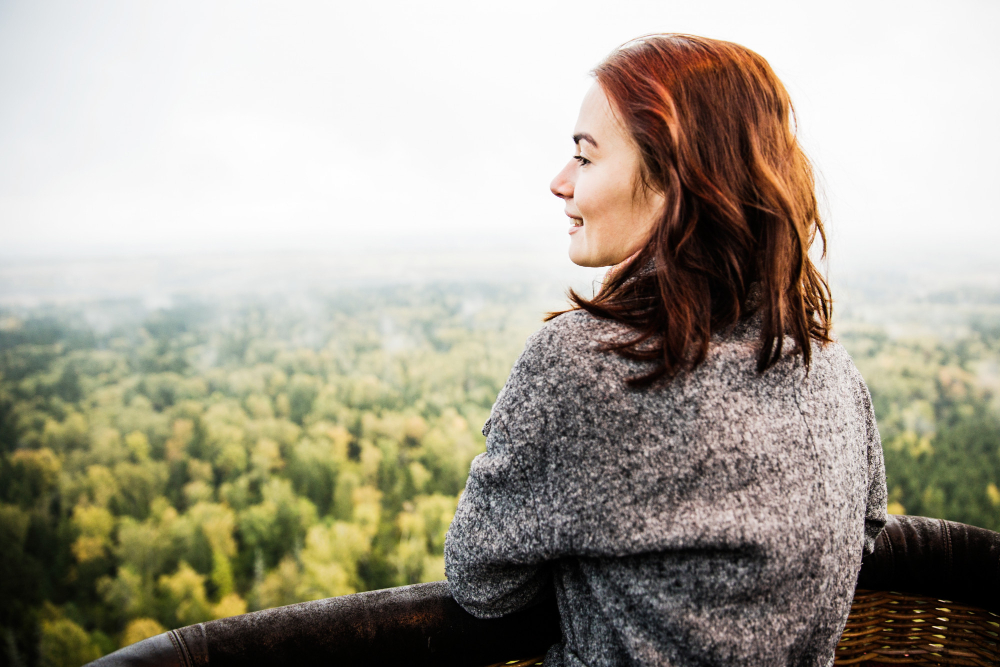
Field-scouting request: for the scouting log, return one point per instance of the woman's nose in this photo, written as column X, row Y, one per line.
column 562, row 185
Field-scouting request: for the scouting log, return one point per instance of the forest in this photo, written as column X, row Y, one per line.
column 166, row 466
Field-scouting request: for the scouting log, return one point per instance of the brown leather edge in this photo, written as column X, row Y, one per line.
column 933, row 557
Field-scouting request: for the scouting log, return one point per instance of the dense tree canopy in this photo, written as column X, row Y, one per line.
column 938, row 414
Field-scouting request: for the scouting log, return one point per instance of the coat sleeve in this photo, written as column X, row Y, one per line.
column 494, row 558
column 875, row 511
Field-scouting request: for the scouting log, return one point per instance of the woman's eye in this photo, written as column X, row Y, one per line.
column 582, row 160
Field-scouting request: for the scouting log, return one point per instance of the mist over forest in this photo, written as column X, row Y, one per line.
column 188, row 439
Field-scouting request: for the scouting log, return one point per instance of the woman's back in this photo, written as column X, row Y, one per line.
column 660, row 458
column 716, row 518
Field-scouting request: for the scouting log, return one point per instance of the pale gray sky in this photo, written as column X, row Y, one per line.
column 205, row 127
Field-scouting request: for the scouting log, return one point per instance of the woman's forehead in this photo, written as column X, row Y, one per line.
column 597, row 123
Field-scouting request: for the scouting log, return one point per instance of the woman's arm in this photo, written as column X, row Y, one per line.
column 493, row 550
column 875, row 511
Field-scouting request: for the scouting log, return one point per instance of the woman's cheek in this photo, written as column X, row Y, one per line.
column 584, row 198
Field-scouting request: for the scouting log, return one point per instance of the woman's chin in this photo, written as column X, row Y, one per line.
column 589, row 263
column 581, row 256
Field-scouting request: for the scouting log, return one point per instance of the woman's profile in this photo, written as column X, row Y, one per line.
column 686, row 461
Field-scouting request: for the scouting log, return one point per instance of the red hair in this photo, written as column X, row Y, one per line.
column 714, row 127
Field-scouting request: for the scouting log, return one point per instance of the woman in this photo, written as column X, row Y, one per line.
column 686, row 461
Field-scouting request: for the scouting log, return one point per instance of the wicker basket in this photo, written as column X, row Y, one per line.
column 891, row 628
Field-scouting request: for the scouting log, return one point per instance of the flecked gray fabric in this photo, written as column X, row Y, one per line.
column 715, row 519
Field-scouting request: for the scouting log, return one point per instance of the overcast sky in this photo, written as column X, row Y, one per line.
column 197, row 127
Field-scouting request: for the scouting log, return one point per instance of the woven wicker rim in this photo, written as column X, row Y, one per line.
column 892, row 628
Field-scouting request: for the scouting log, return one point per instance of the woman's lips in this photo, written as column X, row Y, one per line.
column 575, row 224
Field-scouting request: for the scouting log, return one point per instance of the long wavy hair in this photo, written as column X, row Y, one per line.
column 715, row 128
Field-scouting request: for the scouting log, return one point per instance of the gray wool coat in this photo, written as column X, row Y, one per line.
column 715, row 519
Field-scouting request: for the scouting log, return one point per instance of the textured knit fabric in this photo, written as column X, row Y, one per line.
column 718, row 518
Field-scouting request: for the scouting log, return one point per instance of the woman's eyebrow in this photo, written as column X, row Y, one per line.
column 583, row 136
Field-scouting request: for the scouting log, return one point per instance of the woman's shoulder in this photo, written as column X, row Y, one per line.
column 833, row 360
column 563, row 363
column 572, row 344
column 833, row 364
column 568, row 327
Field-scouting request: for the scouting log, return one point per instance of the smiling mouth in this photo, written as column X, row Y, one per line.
column 576, row 222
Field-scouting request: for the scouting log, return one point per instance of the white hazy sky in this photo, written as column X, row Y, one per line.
column 204, row 127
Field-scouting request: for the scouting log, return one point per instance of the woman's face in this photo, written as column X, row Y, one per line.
column 610, row 217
